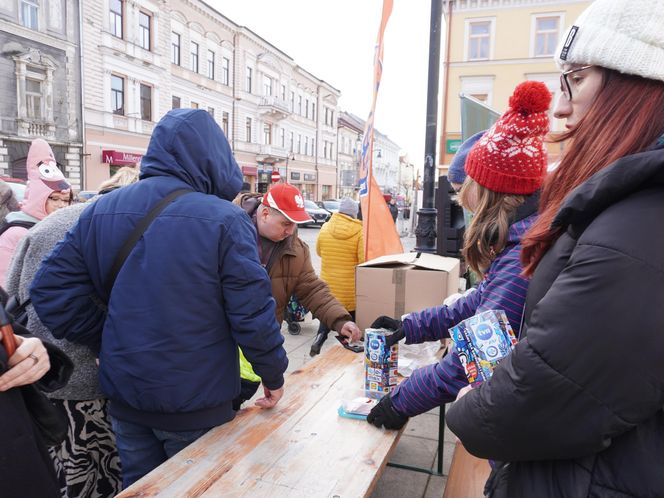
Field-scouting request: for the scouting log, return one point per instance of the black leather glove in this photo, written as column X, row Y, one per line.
column 384, row 415
column 386, row 322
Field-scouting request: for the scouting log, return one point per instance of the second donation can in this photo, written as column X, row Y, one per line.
column 380, row 363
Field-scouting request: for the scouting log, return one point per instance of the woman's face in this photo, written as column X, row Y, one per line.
column 584, row 85
column 57, row 200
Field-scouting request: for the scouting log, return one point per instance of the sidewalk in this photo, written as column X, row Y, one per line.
column 417, row 446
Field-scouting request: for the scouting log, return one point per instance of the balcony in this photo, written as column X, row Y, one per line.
column 271, row 154
column 32, row 128
column 274, row 108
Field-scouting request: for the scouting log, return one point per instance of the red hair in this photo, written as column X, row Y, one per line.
column 626, row 117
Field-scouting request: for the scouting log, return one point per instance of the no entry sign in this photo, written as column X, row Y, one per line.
column 275, row 176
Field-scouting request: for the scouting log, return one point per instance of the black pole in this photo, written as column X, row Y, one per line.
column 426, row 221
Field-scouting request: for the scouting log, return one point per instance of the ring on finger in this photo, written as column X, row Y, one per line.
column 34, row 358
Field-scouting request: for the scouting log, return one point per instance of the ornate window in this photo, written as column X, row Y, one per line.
column 34, row 94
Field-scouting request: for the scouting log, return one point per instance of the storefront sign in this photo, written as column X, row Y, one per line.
column 249, row 170
column 452, row 145
column 295, row 176
column 309, row 177
column 120, row 158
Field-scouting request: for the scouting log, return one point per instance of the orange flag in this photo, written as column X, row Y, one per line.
column 380, row 233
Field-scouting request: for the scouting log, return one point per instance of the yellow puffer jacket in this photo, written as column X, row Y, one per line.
column 341, row 247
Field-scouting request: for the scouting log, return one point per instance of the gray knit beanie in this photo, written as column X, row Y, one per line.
column 348, row 207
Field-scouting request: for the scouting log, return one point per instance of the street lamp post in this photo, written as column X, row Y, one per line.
column 426, row 225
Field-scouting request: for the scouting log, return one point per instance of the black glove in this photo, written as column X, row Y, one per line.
column 385, row 322
column 247, row 389
column 383, row 414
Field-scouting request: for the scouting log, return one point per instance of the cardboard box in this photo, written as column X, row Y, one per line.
column 402, row 283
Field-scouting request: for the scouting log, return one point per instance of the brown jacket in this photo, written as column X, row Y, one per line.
column 291, row 273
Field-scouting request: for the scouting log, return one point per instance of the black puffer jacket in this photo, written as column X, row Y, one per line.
column 577, row 407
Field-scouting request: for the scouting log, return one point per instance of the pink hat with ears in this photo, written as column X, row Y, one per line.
column 44, row 178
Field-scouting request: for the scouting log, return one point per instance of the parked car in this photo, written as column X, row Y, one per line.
column 17, row 185
column 317, row 213
column 332, row 205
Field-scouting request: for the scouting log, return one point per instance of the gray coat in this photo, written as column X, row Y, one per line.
column 35, row 246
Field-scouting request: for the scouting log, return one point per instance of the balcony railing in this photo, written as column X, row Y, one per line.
column 274, row 107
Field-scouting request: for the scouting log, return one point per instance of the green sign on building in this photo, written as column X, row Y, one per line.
column 452, row 145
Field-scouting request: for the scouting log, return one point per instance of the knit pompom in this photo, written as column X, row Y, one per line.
column 530, row 97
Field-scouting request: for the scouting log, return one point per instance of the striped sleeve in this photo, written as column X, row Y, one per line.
column 430, row 387
column 432, row 324
column 506, row 288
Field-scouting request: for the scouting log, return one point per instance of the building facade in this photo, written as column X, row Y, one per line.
column 40, row 84
column 386, row 165
column 492, row 46
column 152, row 56
column 350, row 130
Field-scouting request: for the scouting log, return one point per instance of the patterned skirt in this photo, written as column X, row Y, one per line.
column 87, row 462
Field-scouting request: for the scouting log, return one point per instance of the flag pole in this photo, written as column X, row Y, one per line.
column 426, row 224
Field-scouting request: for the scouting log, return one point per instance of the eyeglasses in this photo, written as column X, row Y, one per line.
column 564, row 82
column 60, row 200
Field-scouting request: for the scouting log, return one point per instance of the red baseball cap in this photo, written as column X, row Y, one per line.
column 288, row 201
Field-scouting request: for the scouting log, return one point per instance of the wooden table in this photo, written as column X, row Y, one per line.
column 299, row 448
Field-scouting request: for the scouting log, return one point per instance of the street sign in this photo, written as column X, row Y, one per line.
column 275, row 176
column 452, row 145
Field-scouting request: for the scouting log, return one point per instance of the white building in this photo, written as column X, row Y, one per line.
column 145, row 57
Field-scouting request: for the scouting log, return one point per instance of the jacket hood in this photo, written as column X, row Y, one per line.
column 525, row 216
column 615, row 182
column 248, row 201
column 343, row 226
column 189, row 145
column 44, row 178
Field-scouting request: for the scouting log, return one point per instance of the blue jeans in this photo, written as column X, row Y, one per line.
column 143, row 449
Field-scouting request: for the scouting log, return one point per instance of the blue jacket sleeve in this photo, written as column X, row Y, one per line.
column 249, row 304
column 430, row 386
column 64, row 295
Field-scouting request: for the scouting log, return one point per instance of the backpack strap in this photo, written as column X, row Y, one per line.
column 17, row 223
column 136, row 234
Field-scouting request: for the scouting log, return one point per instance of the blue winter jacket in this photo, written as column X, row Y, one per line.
column 190, row 292
column 503, row 288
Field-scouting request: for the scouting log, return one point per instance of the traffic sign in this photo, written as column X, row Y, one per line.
column 275, row 176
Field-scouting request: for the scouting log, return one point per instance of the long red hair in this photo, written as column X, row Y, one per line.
column 626, row 117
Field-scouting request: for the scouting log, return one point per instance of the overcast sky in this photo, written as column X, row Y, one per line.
column 335, row 42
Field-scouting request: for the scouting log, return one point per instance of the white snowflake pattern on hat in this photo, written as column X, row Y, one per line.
column 523, row 145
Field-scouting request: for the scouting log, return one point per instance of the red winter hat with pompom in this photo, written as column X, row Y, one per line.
column 511, row 157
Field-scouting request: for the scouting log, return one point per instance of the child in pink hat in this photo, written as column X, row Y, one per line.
column 47, row 191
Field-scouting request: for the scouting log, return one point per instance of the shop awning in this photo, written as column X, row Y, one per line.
column 120, row 158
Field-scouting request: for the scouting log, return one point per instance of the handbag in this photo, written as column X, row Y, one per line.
column 51, row 422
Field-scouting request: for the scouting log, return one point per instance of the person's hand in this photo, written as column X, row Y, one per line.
column 27, row 365
column 384, row 414
column 352, row 331
column 464, row 391
column 271, row 397
column 386, row 322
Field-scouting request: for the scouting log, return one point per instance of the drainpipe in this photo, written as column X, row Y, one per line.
column 234, row 90
column 84, row 155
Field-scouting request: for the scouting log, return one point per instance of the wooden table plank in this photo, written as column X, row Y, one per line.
column 300, row 448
